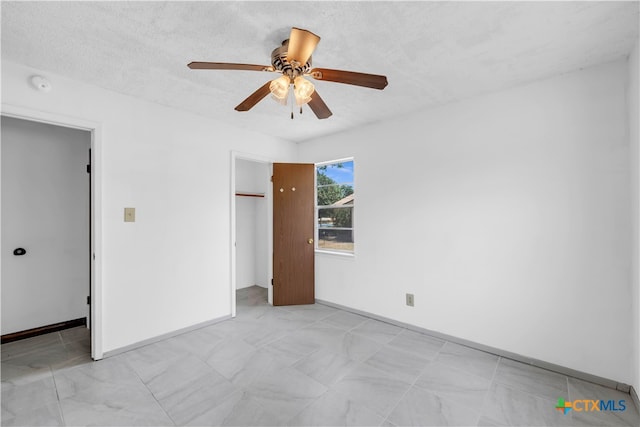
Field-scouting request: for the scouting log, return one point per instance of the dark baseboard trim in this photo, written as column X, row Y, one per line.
column 625, row 388
column 15, row 336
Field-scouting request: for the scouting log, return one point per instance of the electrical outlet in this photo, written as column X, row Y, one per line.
column 410, row 300
column 129, row 214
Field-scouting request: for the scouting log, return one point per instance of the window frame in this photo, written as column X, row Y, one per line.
column 345, row 253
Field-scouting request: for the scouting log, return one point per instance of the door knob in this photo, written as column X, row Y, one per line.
column 310, row 241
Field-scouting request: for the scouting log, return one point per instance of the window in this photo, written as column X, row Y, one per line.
column 334, row 206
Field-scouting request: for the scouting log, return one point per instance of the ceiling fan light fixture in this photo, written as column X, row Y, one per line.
column 293, row 60
column 302, row 89
column 280, row 89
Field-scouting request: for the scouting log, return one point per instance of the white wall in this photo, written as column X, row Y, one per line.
column 245, row 242
column 506, row 215
column 634, row 138
column 171, row 268
column 45, row 209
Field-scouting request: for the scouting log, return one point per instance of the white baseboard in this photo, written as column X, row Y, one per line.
column 625, row 388
column 162, row 337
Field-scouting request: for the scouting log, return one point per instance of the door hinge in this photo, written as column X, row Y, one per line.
column 88, row 168
column 271, row 282
column 89, row 300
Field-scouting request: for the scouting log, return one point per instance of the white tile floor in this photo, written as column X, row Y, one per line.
column 300, row 365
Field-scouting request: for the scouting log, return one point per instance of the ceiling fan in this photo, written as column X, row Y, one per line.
column 293, row 61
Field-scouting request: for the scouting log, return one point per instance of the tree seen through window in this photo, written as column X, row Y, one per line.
column 335, row 203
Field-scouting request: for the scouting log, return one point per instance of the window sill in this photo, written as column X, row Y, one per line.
column 336, row 253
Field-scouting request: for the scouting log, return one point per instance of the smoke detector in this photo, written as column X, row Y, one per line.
column 40, row 83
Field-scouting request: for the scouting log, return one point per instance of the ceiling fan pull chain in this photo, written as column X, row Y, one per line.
column 292, row 101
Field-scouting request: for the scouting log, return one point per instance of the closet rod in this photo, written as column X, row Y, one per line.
column 250, row 194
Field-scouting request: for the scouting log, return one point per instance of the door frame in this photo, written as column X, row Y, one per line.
column 95, row 130
column 237, row 155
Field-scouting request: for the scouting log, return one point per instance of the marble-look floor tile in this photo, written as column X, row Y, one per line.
column 468, row 359
column 78, row 412
column 355, row 346
column 119, row 401
column 345, row 320
column 240, row 409
column 251, row 296
column 531, row 379
column 285, row 392
column 80, row 347
column 455, row 386
column 175, row 375
column 200, row 343
column 42, row 358
column 301, row 365
column 372, row 388
column 397, row 363
column 422, row 408
column 334, row 409
column 19, row 372
column 256, row 312
column 377, row 331
column 488, row 422
column 244, row 370
column 78, row 356
column 512, row 407
column 417, row 343
column 290, row 349
column 197, row 397
column 318, row 336
column 47, row 415
column 113, row 371
column 326, row 367
column 80, row 333
column 29, row 345
column 314, row 312
column 229, row 349
column 235, row 328
column 581, row 390
column 269, row 332
column 269, row 315
column 143, row 357
column 18, row 399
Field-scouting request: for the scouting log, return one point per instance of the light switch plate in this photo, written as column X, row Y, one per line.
column 129, row 214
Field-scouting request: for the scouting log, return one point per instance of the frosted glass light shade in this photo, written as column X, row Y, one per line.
column 280, row 89
column 303, row 89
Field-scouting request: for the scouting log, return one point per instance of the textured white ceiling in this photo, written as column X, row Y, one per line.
column 432, row 52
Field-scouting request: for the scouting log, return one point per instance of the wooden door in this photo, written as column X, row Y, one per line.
column 293, row 231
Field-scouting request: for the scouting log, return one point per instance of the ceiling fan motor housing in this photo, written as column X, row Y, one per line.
column 291, row 69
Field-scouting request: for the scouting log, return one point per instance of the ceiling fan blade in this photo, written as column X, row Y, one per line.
column 227, row 66
column 254, row 98
column 302, row 43
column 318, row 106
column 372, row 81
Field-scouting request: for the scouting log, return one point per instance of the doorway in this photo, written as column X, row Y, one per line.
column 46, row 227
column 251, row 228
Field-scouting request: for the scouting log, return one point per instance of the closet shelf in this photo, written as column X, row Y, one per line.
column 248, row 194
